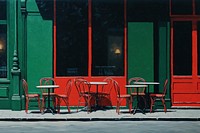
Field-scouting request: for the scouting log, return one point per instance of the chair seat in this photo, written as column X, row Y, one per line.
column 156, row 95
column 139, row 94
column 89, row 93
column 33, row 95
column 51, row 94
column 62, row 95
column 124, row 96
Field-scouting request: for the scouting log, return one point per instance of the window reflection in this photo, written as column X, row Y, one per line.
column 3, row 52
column 107, row 27
column 3, row 9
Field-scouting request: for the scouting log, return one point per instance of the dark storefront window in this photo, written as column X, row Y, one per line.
column 3, row 9
column 182, row 48
column 72, row 37
column 3, row 40
column 197, row 7
column 181, row 7
column 107, row 37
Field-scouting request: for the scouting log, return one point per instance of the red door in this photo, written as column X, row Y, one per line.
column 89, row 41
column 185, row 62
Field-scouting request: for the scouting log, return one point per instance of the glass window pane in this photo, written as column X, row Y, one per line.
column 181, row 7
column 72, row 38
column 107, row 37
column 182, row 48
column 197, row 7
column 3, row 9
column 3, row 51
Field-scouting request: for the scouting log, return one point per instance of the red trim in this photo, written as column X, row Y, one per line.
column 120, row 79
column 54, row 37
column 170, row 7
column 125, row 38
column 90, row 38
column 193, row 7
column 171, row 55
column 194, row 49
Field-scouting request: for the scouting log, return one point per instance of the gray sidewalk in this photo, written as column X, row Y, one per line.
column 102, row 115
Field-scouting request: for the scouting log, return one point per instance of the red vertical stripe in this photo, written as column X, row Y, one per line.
column 125, row 38
column 89, row 37
column 54, row 37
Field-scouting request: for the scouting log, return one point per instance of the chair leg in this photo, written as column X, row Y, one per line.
column 145, row 103
column 152, row 103
column 130, row 104
column 39, row 105
column 79, row 100
column 67, row 104
column 118, row 107
column 27, row 103
column 58, row 104
column 43, row 103
column 163, row 102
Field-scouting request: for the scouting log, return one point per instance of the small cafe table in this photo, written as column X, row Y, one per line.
column 137, row 88
column 148, row 84
column 49, row 109
column 97, row 83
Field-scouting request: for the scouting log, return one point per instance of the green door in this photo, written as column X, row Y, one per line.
column 39, row 47
column 140, row 50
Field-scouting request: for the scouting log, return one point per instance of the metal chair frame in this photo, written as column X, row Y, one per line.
column 65, row 97
column 159, row 96
column 30, row 96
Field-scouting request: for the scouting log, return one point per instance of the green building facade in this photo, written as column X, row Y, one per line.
column 33, row 34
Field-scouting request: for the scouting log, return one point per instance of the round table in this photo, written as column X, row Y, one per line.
column 48, row 87
column 137, row 87
column 97, row 83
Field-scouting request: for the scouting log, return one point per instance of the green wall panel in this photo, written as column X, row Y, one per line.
column 140, row 50
column 39, row 50
column 163, row 52
column 164, row 58
column 32, row 6
column 3, row 91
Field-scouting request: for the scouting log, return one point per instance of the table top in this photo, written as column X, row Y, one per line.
column 135, row 86
column 98, row 83
column 147, row 83
column 47, row 86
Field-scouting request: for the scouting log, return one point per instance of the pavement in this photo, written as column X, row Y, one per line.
column 102, row 115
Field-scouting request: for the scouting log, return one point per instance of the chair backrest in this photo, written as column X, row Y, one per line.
column 136, row 79
column 165, row 87
column 68, row 87
column 25, row 86
column 116, row 87
column 77, row 82
column 82, row 86
column 47, row 81
column 107, row 88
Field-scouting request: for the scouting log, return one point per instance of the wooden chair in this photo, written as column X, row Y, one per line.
column 47, row 81
column 141, row 92
column 65, row 97
column 83, row 89
column 105, row 93
column 121, row 97
column 159, row 96
column 29, row 96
